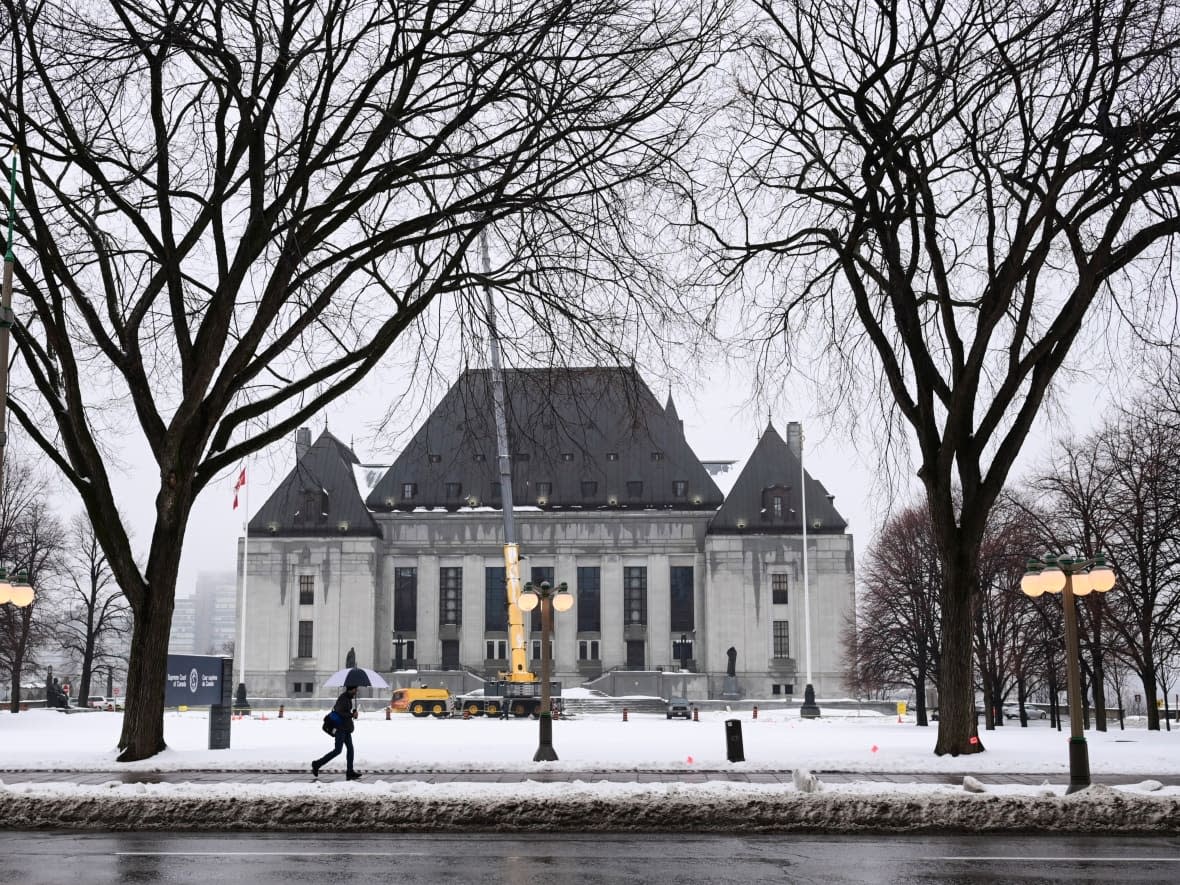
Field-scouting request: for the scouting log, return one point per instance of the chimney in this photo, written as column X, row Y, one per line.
column 794, row 437
column 302, row 442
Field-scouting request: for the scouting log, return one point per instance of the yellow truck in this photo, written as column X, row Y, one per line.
column 423, row 702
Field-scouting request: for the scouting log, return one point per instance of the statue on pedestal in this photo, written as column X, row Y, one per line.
column 350, row 658
column 730, row 691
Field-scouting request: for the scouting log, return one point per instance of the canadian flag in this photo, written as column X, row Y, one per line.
column 237, row 485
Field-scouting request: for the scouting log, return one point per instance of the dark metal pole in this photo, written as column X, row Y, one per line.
column 545, row 751
column 1079, row 758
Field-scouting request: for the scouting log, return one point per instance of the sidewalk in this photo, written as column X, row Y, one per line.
column 92, row 778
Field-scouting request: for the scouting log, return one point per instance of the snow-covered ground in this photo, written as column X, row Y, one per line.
column 839, row 741
column 779, row 741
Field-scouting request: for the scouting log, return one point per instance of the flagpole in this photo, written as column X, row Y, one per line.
column 245, row 577
column 809, row 710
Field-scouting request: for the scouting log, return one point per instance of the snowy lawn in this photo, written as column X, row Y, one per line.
column 48, row 740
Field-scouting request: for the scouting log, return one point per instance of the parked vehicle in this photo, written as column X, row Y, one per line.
column 679, row 707
column 100, row 702
column 1013, row 712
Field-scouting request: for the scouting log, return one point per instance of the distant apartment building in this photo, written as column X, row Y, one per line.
column 180, row 639
column 215, row 613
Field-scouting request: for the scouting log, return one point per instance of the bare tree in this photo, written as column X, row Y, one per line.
column 232, row 210
column 951, row 190
column 1141, row 496
column 1002, row 611
column 897, row 623
column 1074, row 517
column 28, row 543
column 94, row 612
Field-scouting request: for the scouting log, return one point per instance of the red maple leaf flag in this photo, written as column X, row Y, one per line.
column 241, row 482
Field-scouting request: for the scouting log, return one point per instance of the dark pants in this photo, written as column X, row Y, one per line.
column 343, row 739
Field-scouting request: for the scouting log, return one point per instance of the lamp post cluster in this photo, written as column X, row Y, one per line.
column 16, row 590
column 1071, row 576
column 549, row 598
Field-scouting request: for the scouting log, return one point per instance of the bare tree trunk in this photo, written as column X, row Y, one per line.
column 143, row 720
column 14, row 706
column 958, row 733
column 1099, row 691
column 920, row 690
column 1149, row 694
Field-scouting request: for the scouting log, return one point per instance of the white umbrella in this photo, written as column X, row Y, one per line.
column 359, row 676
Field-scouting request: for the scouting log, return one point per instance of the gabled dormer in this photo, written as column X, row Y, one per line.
column 319, row 496
column 766, row 499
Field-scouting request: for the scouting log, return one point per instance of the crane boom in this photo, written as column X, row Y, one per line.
column 519, row 670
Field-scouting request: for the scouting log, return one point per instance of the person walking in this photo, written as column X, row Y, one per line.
column 345, row 713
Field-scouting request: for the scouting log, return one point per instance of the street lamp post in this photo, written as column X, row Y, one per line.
column 549, row 598
column 398, row 644
column 1070, row 576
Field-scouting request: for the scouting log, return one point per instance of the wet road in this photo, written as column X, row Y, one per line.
column 262, row 859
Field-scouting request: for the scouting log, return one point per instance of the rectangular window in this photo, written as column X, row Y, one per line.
column 454, row 489
column 544, row 489
column 536, row 649
column 410, row 649
column 434, row 458
column 304, row 639
column 587, row 649
column 450, row 595
column 495, row 600
column 405, row 599
column 298, row 688
column 635, row 595
column 589, row 488
column 679, row 488
column 681, row 597
column 612, row 456
column 682, row 652
column 567, row 456
column 589, row 607
column 778, row 588
column 307, row 589
column 635, row 488
column 782, row 639
column 776, row 689
column 657, row 456
column 539, row 573
column 409, row 490
column 777, row 504
column 450, row 654
column 497, row 649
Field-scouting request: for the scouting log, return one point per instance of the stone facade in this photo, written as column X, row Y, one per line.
column 676, row 588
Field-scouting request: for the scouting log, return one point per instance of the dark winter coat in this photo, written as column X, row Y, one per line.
column 344, row 707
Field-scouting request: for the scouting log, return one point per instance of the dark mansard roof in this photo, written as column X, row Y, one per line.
column 773, row 471
column 578, row 438
column 320, row 496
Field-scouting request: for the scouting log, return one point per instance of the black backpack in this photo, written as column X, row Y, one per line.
column 330, row 724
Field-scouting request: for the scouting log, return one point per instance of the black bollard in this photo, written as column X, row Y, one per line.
column 734, row 751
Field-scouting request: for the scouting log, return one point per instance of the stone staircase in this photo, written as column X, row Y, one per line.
column 613, row 706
